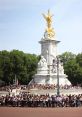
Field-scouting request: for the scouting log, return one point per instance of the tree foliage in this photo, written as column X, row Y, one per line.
column 66, row 56
column 73, row 67
column 17, row 64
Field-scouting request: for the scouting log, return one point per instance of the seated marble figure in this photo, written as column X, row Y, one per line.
column 42, row 63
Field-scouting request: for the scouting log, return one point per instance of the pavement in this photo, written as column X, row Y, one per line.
column 40, row 112
column 4, row 93
column 54, row 91
column 47, row 91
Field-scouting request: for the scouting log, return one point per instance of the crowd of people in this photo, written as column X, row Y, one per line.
column 9, row 88
column 38, row 86
column 51, row 86
column 29, row 100
column 25, row 98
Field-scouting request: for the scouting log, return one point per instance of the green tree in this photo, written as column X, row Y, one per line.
column 31, row 61
column 73, row 71
column 4, row 65
column 66, row 56
column 72, row 67
column 79, row 59
column 17, row 64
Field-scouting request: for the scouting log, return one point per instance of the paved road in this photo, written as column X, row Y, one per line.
column 54, row 91
column 47, row 91
column 40, row 112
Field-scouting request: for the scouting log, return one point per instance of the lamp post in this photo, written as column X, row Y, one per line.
column 58, row 87
column 15, row 71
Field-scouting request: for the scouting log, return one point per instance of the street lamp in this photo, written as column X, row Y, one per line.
column 58, row 87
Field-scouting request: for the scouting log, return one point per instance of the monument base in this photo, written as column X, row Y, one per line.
column 50, row 79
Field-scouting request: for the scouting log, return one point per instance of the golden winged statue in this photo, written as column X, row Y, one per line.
column 48, row 19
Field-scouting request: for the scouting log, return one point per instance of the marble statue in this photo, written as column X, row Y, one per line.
column 42, row 63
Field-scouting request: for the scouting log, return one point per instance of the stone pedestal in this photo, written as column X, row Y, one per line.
column 51, row 79
column 47, row 66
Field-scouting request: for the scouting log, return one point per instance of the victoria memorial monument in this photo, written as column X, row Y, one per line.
column 49, row 65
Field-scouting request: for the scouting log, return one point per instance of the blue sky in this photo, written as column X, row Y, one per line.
column 22, row 24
